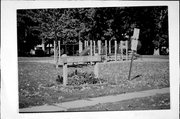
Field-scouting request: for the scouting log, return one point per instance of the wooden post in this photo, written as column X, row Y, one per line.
column 54, row 51
column 129, row 76
column 115, row 51
column 106, row 48
column 126, row 50
column 49, row 49
column 43, row 46
column 109, row 46
column 99, row 47
column 94, row 47
column 96, row 70
column 87, row 43
column 84, row 44
column 65, row 72
column 59, row 44
column 73, row 50
column 134, row 43
column 121, row 47
column 66, row 49
column 80, row 46
column 91, row 52
column 55, row 54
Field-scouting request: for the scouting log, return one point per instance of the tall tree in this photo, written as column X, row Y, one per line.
column 27, row 37
column 73, row 24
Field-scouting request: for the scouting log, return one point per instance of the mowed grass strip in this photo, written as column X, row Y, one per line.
column 38, row 86
column 157, row 102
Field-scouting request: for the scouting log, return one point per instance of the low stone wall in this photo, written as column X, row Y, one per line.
column 118, row 71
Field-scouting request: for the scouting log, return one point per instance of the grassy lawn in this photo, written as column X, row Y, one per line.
column 38, row 85
column 34, row 58
column 159, row 101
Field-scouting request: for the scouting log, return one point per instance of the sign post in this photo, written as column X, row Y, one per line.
column 134, row 44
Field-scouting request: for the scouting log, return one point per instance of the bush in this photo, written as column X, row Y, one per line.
column 81, row 78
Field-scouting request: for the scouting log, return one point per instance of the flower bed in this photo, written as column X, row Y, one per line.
column 79, row 78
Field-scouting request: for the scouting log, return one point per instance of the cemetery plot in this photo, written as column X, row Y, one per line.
column 110, row 38
column 38, row 84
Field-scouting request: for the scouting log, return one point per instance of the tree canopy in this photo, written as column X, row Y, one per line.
column 72, row 24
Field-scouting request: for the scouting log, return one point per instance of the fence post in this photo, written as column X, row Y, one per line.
column 106, row 49
column 91, row 48
column 80, row 46
column 115, row 42
column 59, row 44
column 126, row 50
column 109, row 46
column 99, row 47
column 94, row 47
column 121, row 47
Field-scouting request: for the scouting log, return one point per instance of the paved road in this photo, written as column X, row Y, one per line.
column 93, row 101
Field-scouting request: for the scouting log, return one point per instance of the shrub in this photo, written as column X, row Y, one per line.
column 81, row 78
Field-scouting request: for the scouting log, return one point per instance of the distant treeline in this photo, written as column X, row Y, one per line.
column 69, row 25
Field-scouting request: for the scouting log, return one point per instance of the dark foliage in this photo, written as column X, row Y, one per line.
column 73, row 24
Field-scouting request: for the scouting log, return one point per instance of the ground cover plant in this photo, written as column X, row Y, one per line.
column 38, row 83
